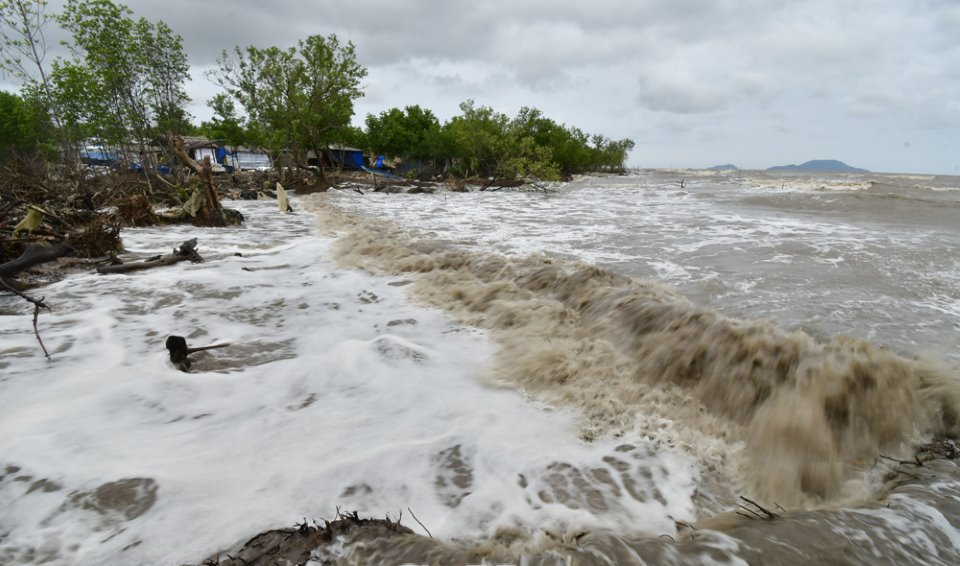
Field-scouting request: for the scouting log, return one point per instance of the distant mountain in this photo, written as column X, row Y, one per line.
column 726, row 167
column 820, row 165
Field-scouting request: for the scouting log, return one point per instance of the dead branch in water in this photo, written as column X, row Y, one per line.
column 939, row 448
column 916, row 462
column 419, row 523
column 760, row 512
column 186, row 252
column 693, row 530
column 37, row 305
column 32, row 256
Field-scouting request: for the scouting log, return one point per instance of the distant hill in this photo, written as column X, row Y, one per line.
column 820, row 165
column 726, row 167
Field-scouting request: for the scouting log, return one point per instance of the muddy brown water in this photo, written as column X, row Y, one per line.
column 799, row 335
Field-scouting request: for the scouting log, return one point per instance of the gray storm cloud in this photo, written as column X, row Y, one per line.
column 863, row 68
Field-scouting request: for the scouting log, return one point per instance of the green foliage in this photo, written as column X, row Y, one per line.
column 296, row 99
column 124, row 84
column 125, row 81
column 411, row 133
column 353, row 136
column 24, row 127
column 14, row 125
column 225, row 124
column 22, row 23
column 167, row 70
column 571, row 147
column 483, row 142
column 23, row 54
column 490, row 144
column 76, row 98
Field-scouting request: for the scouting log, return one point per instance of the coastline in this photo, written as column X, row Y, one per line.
column 325, row 348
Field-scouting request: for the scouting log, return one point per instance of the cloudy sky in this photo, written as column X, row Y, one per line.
column 695, row 83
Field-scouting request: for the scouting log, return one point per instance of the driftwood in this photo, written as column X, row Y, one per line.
column 177, row 346
column 525, row 184
column 33, row 255
column 186, row 252
column 757, row 512
column 494, row 184
column 37, row 305
column 314, row 543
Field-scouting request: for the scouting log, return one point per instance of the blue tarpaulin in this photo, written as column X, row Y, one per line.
column 349, row 158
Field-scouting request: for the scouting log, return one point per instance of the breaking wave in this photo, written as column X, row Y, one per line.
column 776, row 414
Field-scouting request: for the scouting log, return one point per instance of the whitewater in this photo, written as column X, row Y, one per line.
column 597, row 373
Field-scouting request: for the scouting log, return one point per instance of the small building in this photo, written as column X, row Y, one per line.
column 199, row 148
column 223, row 158
column 247, row 159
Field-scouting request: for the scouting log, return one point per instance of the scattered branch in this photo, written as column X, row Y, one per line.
column 37, row 305
column 760, row 512
column 419, row 523
column 693, row 531
column 916, row 462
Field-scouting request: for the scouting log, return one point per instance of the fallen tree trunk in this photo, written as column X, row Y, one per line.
column 186, row 252
column 32, row 256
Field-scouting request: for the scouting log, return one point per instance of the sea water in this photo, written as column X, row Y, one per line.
column 597, row 373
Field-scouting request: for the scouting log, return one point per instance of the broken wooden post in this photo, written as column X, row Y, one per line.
column 177, row 346
column 282, row 201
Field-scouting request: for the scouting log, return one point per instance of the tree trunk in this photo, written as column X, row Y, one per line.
column 212, row 212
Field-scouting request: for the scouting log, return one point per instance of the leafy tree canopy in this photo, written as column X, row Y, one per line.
column 298, row 99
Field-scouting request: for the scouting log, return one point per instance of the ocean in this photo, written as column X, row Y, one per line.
column 670, row 367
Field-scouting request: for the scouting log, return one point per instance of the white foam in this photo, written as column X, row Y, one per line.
column 336, row 392
column 333, row 398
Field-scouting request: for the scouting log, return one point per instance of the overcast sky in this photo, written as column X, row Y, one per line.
column 695, row 83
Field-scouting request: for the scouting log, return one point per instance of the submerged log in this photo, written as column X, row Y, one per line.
column 186, row 252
